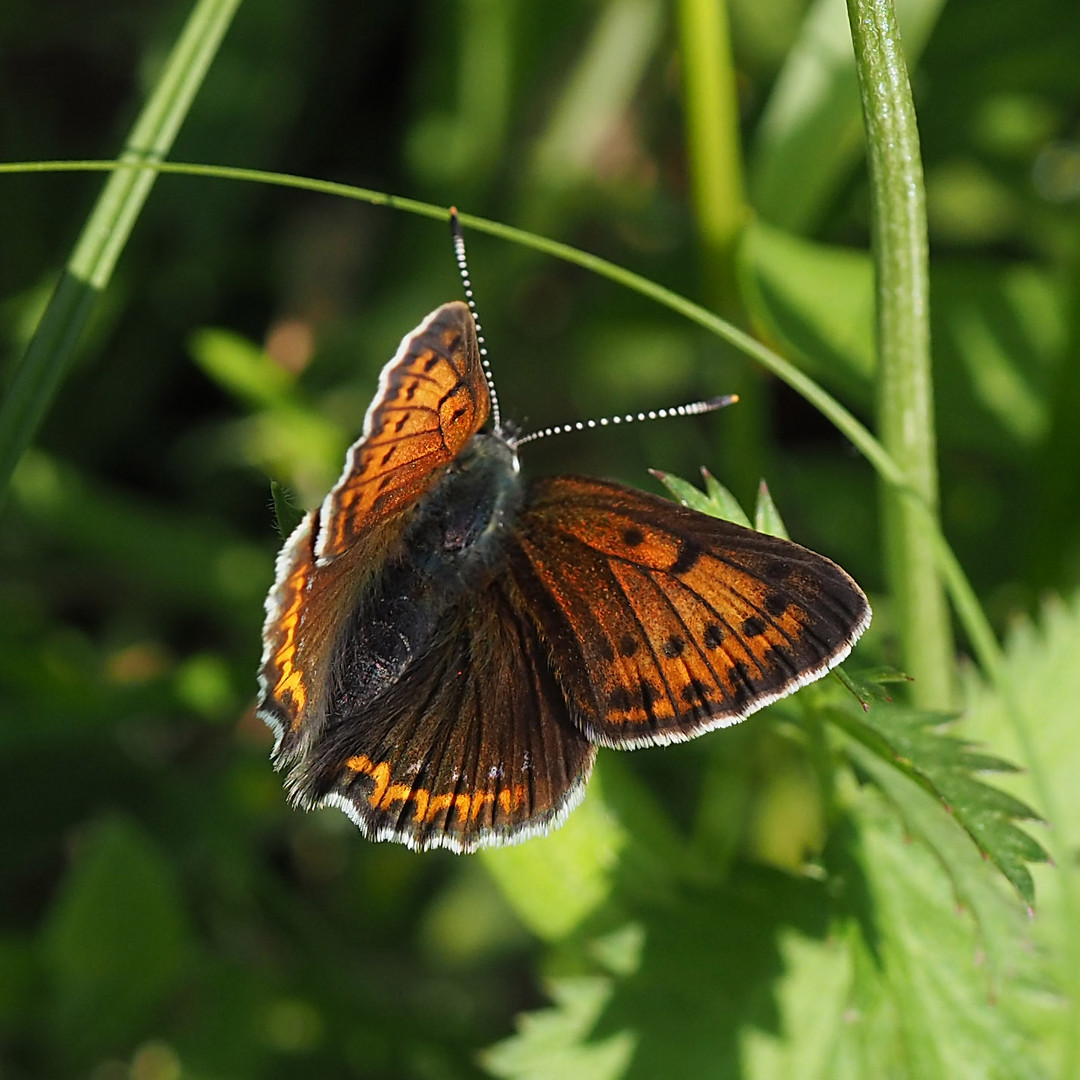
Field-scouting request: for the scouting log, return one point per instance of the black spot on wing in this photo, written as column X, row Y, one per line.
column 649, row 695
column 674, row 646
column 775, row 603
column 695, row 692
column 687, row 559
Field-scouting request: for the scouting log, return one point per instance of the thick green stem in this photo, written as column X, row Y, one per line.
column 713, row 151
column 905, row 402
column 106, row 232
column 717, row 193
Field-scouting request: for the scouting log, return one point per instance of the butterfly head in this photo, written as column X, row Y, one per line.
column 510, row 435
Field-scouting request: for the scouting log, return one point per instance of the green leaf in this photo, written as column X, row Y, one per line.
column 766, row 517
column 553, row 1044
column 117, row 939
column 1041, row 666
column 816, row 300
column 810, row 127
column 915, row 744
column 924, row 1002
column 555, row 882
column 716, row 500
column 242, row 368
column 680, row 987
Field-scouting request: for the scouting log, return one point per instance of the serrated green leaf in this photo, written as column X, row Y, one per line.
column 716, row 500
column 766, row 517
column 871, row 684
column 914, row 743
column 1042, row 734
column 944, row 994
column 553, row 1044
column 724, row 504
column 685, row 492
column 696, row 973
column 765, row 975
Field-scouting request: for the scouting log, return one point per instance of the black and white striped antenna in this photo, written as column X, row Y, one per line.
column 693, row 408
column 463, row 269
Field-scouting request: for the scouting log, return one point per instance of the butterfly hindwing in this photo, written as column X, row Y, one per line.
column 471, row 745
column 664, row 623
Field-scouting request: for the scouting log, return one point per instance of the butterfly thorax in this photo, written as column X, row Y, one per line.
column 451, row 549
column 456, row 531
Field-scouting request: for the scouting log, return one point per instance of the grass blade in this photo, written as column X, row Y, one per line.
column 106, row 232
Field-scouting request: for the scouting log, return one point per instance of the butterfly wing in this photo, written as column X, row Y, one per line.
column 432, row 399
column 471, row 746
column 663, row 622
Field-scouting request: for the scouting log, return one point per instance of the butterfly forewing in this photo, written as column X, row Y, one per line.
column 432, row 399
column 472, row 746
column 663, row 622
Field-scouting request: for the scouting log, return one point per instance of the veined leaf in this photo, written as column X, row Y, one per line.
column 553, row 1044
column 914, row 743
column 938, row 995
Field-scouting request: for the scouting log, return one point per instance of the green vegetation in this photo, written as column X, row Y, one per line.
column 852, row 883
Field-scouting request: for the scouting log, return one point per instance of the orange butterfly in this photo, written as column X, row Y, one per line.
column 446, row 645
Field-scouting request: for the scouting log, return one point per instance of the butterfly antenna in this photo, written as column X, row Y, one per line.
column 694, row 408
column 463, row 269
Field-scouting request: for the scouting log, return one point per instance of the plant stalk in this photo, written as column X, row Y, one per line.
column 718, row 197
column 905, row 402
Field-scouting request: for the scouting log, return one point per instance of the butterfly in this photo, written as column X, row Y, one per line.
column 446, row 645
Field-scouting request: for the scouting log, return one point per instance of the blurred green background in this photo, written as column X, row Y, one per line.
column 163, row 913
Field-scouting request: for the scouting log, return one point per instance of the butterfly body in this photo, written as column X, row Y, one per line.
column 446, row 646
column 449, row 551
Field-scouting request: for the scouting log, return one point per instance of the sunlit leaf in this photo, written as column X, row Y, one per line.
column 916, row 744
column 766, row 517
column 716, row 500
